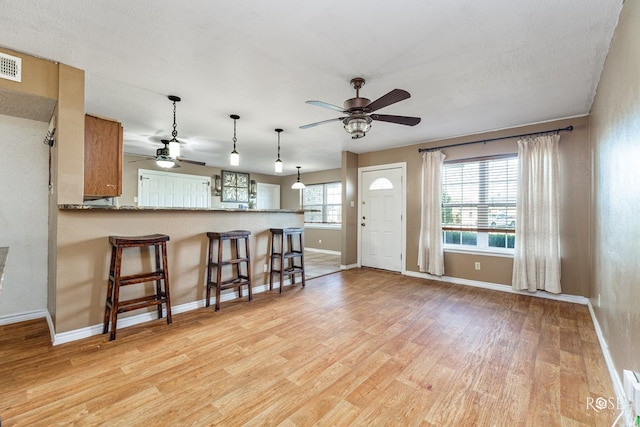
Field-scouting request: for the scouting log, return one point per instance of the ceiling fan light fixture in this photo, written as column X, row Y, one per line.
column 165, row 162
column 357, row 126
column 278, row 164
column 298, row 185
column 234, row 157
column 163, row 158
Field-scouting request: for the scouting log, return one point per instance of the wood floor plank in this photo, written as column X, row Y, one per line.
column 358, row 347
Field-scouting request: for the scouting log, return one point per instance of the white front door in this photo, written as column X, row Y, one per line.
column 380, row 219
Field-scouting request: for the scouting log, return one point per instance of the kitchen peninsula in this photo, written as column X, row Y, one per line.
column 84, row 252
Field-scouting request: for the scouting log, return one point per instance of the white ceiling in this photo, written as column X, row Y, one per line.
column 470, row 66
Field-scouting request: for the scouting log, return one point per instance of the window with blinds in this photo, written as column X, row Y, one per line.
column 479, row 202
column 323, row 203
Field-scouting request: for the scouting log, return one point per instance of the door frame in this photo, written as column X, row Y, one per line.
column 403, row 209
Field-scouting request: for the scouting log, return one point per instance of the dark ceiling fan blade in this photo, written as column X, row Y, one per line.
column 193, row 162
column 326, row 105
column 392, row 97
column 310, row 125
column 401, row 120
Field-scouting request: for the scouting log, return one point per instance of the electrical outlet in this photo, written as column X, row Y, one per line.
column 265, row 268
column 477, row 266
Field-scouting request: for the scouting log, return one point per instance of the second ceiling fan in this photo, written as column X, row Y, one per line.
column 359, row 118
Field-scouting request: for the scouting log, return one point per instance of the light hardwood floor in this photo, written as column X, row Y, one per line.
column 320, row 263
column 359, row 347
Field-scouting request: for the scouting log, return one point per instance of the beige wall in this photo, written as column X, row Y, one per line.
column 349, row 256
column 323, row 238
column 575, row 165
column 26, row 225
column 615, row 136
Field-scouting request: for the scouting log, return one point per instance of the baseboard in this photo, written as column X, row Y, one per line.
column 76, row 334
column 322, row 251
column 627, row 411
column 577, row 299
column 22, row 317
column 348, row 266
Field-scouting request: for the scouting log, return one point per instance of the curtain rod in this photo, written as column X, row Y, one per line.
column 568, row 129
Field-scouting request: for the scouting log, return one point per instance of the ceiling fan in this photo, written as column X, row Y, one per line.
column 169, row 155
column 164, row 155
column 358, row 110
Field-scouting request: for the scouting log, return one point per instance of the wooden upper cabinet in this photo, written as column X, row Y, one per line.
column 102, row 157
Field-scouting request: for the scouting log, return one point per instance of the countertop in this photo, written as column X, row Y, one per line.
column 149, row 208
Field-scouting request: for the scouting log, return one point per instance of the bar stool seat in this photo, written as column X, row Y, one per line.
column 236, row 260
column 288, row 255
column 160, row 275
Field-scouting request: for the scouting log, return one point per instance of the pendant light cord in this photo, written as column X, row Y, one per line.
column 175, row 132
column 234, row 135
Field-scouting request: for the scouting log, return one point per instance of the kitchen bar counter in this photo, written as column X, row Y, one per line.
column 151, row 208
column 83, row 252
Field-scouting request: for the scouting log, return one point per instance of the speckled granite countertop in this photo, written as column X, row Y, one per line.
column 3, row 260
column 148, row 208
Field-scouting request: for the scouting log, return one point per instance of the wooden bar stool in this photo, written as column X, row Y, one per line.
column 290, row 251
column 161, row 275
column 236, row 261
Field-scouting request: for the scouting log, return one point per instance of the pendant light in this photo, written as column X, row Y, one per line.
column 234, row 158
column 298, row 185
column 278, row 165
column 174, row 144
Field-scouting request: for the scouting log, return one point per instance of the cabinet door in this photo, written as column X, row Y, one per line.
column 102, row 157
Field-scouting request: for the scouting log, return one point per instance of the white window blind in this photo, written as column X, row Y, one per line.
column 479, row 202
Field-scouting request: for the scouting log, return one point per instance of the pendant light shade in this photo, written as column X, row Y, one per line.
column 163, row 159
column 234, row 158
column 298, row 185
column 278, row 164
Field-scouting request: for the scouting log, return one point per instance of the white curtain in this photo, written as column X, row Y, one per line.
column 430, row 254
column 536, row 261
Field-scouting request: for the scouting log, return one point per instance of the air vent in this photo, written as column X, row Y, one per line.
column 10, row 67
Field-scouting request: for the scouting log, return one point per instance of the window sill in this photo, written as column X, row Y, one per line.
column 323, row 226
column 507, row 253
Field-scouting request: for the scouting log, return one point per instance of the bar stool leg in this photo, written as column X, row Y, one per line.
column 109, row 304
column 248, row 256
column 219, row 275
column 156, row 250
column 301, row 240
column 167, row 294
column 209, row 267
column 116, row 294
column 273, row 245
column 237, row 266
column 281, row 261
